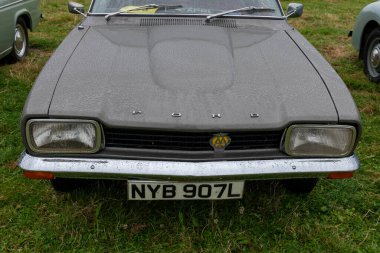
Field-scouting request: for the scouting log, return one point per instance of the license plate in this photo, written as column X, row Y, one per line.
column 156, row 190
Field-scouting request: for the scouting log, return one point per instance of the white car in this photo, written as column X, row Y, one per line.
column 366, row 39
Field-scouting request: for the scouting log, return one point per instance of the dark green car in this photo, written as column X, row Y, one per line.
column 16, row 17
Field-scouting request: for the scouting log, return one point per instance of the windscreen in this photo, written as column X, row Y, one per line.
column 205, row 7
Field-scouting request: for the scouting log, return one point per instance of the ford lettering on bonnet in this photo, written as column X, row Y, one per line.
column 188, row 100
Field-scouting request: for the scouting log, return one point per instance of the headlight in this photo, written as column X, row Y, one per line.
column 63, row 136
column 320, row 140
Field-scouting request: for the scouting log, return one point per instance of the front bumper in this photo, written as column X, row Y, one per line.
column 172, row 170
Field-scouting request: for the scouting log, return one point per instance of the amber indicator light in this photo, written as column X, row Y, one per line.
column 38, row 175
column 340, row 175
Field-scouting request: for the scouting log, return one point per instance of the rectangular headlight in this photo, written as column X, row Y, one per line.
column 320, row 140
column 63, row 136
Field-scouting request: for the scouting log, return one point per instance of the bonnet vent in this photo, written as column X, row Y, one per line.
column 227, row 23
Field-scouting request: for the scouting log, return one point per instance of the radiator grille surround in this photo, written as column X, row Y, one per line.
column 189, row 141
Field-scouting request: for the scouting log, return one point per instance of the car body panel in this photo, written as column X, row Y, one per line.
column 369, row 13
column 341, row 96
column 196, row 71
column 235, row 74
column 39, row 99
column 10, row 10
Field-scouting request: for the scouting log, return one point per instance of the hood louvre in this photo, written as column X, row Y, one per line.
column 227, row 23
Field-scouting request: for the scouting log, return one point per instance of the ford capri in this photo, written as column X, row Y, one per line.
column 188, row 100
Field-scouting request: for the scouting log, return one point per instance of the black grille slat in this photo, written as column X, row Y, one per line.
column 156, row 141
column 165, row 147
column 125, row 135
column 188, row 141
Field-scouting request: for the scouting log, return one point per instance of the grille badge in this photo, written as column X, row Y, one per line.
column 220, row 142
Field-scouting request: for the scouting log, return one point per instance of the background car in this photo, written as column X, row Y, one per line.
column 366, row 39
column 16, row 17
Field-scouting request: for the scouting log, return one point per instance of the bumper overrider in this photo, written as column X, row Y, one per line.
column 99, row 168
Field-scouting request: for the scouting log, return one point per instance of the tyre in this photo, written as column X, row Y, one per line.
column 302, row 186
column 21, row 41
column 67, row 184
column 372, row 56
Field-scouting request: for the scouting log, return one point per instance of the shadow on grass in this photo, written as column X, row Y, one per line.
column 103, row 189
column 109, row 198
column 5, row 61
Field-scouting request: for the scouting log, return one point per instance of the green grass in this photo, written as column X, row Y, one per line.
column 338, row 216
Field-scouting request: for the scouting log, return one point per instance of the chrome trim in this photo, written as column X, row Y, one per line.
column 98, row 131
column 20, row 41
column 90, row 8
column 79, row 12
column 174, row 170
column 280, row 7
column 176, row 114
column 290, row 14
column 247, row 8
column 10, row 4
column 373, row 57
column 216, row 115
column 136, row 112
column 5, row 51
column 291, row 128
column 189, row 15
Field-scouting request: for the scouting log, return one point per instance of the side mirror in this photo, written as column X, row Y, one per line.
column 294, row 10
column 75, row 8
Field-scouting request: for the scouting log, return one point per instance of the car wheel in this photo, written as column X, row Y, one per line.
column 66, row 184
column 21, row 41
column 304, row 185
column 372, row 56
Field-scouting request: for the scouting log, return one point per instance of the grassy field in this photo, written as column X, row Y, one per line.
column 338, row 216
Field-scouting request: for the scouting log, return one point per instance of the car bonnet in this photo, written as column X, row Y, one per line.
column 191, row 77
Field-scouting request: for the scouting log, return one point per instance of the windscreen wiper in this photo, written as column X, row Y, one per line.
column 244, row 9
column 144, row 7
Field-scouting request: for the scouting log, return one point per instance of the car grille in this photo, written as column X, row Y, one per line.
column 188, row 141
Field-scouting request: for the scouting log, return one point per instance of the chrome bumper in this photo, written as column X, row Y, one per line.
column 172, row 170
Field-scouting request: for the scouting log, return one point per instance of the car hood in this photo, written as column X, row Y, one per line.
column 191, row 77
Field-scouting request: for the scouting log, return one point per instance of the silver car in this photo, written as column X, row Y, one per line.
column 188, row 100
column 16, row 18
column 366, row 39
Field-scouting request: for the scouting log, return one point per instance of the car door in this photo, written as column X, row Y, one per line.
column 7, row 25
